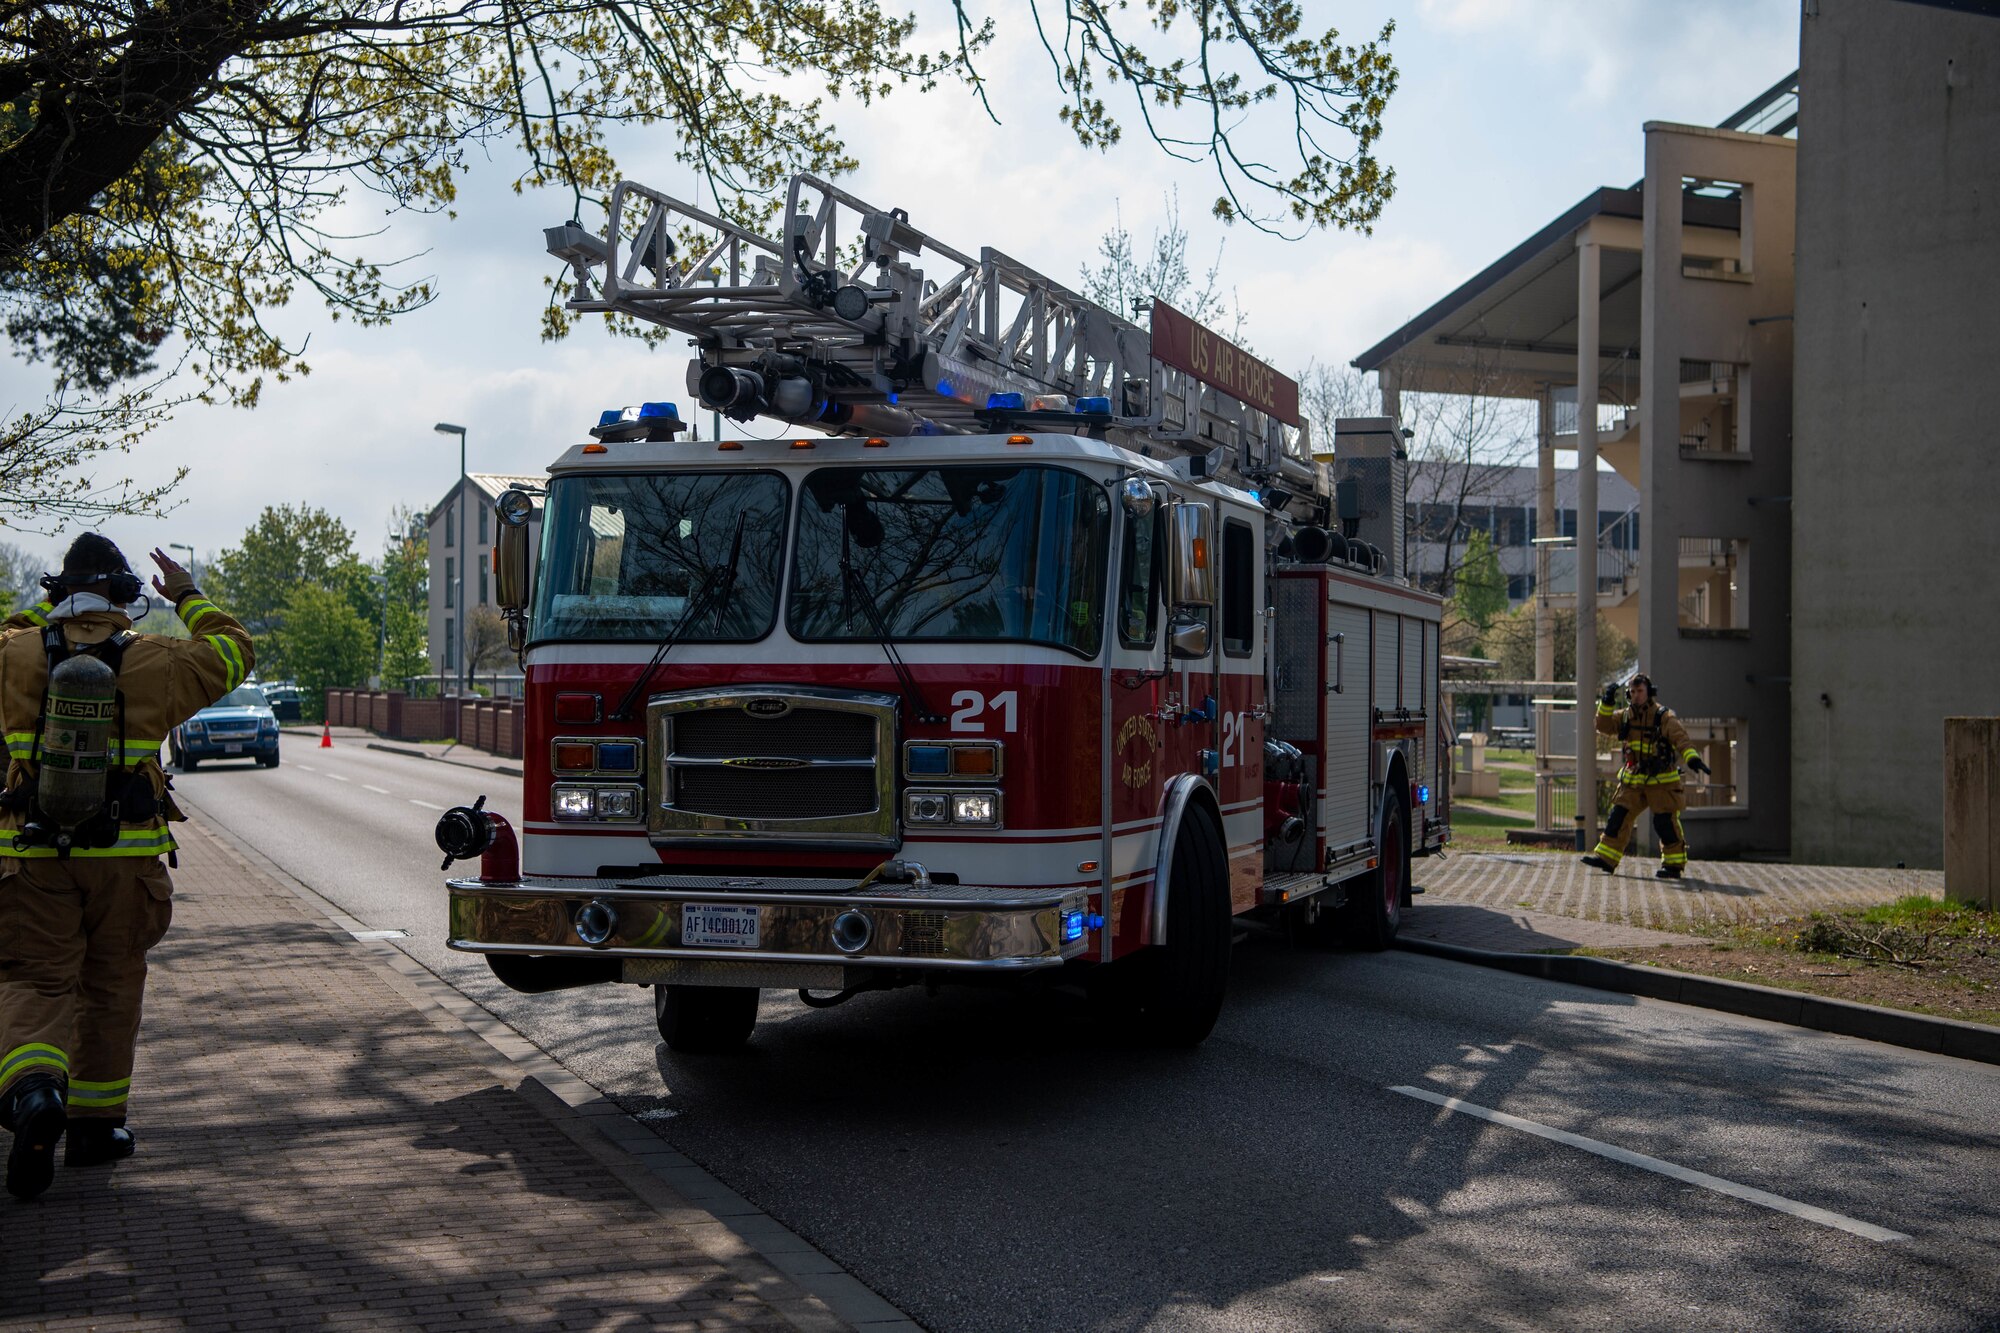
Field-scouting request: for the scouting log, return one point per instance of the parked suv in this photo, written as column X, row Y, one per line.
column 284, row 697
column 239, row 725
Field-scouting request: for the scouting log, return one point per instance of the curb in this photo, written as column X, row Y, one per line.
column 444, row 759
column 1918, row 1032
column 812, row 1292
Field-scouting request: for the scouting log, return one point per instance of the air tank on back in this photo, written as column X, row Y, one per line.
column 76, row 740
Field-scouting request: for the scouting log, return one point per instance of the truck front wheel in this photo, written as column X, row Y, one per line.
column 1181, row 988
column 705, row 1020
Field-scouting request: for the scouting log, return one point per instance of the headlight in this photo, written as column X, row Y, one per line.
column 928, row 807
column 946, row 808
column 975, row 807
column 618, row 803
column 570, row 802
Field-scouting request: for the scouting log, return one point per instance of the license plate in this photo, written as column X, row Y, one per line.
column 725, row 925
column 232, row 749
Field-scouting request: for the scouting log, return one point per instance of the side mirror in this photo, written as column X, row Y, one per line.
column 1191, row 552
column 510, row 552
column 1136, row 496
column 1188, row 638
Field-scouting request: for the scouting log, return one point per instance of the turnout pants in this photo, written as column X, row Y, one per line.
column 1666, row 800
column 73, row 942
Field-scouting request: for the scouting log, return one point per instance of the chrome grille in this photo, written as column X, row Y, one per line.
column 799, row 765
column 793, row 793
column 802, row 733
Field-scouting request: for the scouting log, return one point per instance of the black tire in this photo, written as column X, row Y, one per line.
column 1374, row 911
column 705, row 1020
column 272, row 762
column 187, row 762
column 1182, row 984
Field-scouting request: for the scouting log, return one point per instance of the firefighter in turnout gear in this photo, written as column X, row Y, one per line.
column 83, row 893
column 1655, row 746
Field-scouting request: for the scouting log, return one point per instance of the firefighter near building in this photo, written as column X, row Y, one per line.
column 1655, row 745
column 1059, row 656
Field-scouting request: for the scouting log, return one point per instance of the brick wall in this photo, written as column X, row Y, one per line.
column 496, row 726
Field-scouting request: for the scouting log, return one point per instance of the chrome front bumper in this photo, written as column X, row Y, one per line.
column 948, row 927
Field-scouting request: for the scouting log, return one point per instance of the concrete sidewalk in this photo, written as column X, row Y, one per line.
column 315, row 1148
column 1559, row 885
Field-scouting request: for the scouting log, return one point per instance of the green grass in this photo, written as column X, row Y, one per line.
column 1919, row 913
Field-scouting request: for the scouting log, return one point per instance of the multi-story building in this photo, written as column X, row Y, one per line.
column 1683, row 283
column 1894, row 537
column 460, row 531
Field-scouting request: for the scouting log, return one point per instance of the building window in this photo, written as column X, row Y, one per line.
column 1510, row 526
column 450, row 528
column 1714, row 593
column 482, row 583
column 1239, row 588
column 450, row 581
column 482, row 524
column 1520, row 587
column 450, row 646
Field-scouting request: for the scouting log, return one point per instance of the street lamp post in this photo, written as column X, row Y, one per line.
column 194, row 570
column 458, row 636
column 381, row 582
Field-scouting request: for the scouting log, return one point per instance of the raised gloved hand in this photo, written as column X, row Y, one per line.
column 177, row 582
column 1610, row 696
column 1697, row 766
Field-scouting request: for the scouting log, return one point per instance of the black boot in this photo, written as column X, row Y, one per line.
column 37, row 1117
column 92, row 1142
column 1667, row 872
column 1597, row 862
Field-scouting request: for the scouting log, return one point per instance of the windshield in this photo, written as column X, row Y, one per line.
column 953, row 553
column 243, row 696
column 622, row 557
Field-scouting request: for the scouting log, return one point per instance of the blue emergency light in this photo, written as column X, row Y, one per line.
column 1006, row 402
column 1094, row 407
column 929, row 761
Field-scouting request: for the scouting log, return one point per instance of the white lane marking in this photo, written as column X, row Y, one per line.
column 379, row 791
column 308, row 768
column 1749, row 1194
column 337, row 778
column 425, row 804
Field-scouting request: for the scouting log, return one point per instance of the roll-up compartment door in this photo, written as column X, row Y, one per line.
column 1345, row 777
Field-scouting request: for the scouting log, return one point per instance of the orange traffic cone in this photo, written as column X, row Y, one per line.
column 326, row 736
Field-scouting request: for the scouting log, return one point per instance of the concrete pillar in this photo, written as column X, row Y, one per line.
column 1972, row 810
column 1545, row 618
column 1587, row 298
column 1392, row 394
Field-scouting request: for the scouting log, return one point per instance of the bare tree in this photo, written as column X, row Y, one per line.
column 1127, row 283
column 1464, row 446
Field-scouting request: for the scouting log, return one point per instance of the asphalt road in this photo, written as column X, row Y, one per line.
column 990, row 1161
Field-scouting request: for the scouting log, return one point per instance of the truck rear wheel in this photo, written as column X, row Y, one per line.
column 1182, row 985
column 705, row 1020
column 1374, row 909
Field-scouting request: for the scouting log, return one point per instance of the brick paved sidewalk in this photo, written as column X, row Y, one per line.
column 314, row 1151
column 1560, row 885
column 1512, row 930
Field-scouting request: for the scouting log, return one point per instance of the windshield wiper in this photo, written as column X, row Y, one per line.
column 721, row 579
column 852, row 579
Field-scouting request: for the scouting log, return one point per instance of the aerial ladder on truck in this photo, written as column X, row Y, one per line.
column 1175, row 683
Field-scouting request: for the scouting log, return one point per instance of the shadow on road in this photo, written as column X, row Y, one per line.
column 991, row 1162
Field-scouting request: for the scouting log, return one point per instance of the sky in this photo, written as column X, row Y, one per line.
column 1509, row 111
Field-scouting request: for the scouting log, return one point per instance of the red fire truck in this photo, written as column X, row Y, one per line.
column 1056, row 652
